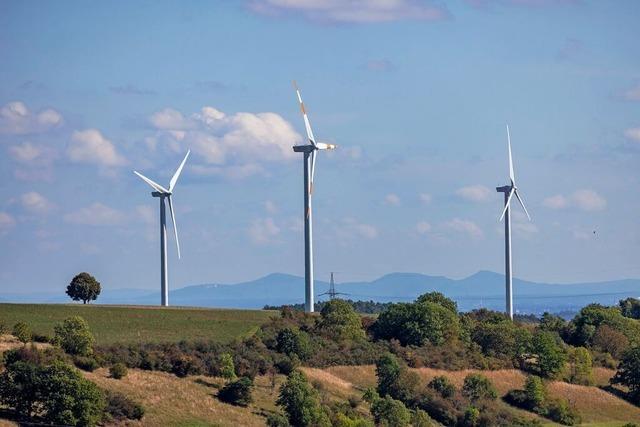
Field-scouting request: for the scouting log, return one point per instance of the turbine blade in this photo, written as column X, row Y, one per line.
column 522, row 204
column 511, row 174
column 506, row 205
column 313, row 168
column 175, row 228
column 307, row 125
column 175, row 176
column 153, row 184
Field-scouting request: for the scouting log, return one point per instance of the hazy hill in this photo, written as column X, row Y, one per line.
column 483, row 289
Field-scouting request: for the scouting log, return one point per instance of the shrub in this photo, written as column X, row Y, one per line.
column 442, row 385
column 535, row 392
column 471, row 417
column 300, row 402
column 277, row 420
column 560, row 411
column 120, row 407
column 40, row 338
column 227, row 368
column 477, row 386
column 394, row 379
column 420, row 418
column 292, row 342
column 550, row 355
column 74, row 337
column 83, row 287
column 88, row 364
column 22, row 332
column 118, row 370
column 581, row 367
column 184, row 365
column 237, row 392
column 390, row 412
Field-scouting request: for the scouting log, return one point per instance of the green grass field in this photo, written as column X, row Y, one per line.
column 127, row 324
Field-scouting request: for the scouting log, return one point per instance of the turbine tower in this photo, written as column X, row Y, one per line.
column 309, row 162
column 162, row 193
column 509, row 191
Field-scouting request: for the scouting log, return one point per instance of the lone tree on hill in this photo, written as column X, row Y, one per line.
column 84, row 287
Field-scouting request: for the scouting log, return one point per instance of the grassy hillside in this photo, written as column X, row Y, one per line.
column 120, row 324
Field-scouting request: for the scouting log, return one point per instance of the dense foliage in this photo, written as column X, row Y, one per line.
column 301, row 402
column 84, row 287
column 237, row 392
column 74, row 336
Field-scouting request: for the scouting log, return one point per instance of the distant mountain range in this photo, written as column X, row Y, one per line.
column 483, row 289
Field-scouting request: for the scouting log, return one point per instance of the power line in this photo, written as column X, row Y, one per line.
column 332, row 289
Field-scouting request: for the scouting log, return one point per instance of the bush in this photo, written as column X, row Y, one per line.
column 442, row 385
column 549, row 353
column 300, row 401
column 40, row 338
column 420, row 418
column 120, row 407
column 561, row 412
column 88, row 364
column 227, row 368
column 628, row 373
column 237, row 392
column 471, row 417
column 293, row 343
column 477, row 386
column 184, row 365
column 390, row 412
column 74, row 337
column 535, row 391
column 394, row 379
column 118, row 370
column 277, row 420
column 22, row 332
column 581, row 367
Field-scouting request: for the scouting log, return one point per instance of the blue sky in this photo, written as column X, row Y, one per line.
column 416, row 93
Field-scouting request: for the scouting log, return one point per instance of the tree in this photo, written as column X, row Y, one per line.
column 535, row 391
column 22, row 331
column 292, row 342
column 581, row 367
column 550, row 355
column 628, row 373
column 394, row 379
column 417, row 323
column 84, row 287
column 237, row 392
column 477, row 386
column 227, row 368
column 630, row 307
column 611, row 341
column 442, row 385
column 300, row 401
column 552, row 323
column 389, row 412
column 440, row 299
column 339, row 321
column 74, row 336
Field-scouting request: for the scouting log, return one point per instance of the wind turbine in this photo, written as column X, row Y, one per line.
column 162, row 193
column 509, row 191
column 309, row 161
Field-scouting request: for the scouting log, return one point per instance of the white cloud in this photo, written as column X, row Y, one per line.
column 350, row 229
column 425, row 198
column 263, row 230
column 36, row 203
column 423, row 227
column 475, row 193
column 25, row 153
column 392, row 199
column 230, row 145
column 633, row 133
column 90, row 146
column 16, row 119
column 34, row 161
column 7, row 222
column 556, row 202
column 464, row 226
column 270, row 207
column 632, row 94
column 589, row 200
column 96, row 214
column 352, row 11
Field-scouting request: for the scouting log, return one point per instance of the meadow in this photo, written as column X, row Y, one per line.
column 128, row 324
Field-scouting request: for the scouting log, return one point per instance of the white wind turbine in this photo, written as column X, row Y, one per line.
column 509, row 191
column 162, row 193
column 309, row 161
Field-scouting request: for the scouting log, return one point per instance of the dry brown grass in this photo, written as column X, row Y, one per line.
column 603, row 375
column 9, row 342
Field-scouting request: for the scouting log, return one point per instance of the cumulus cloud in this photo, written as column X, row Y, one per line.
column 466, row 227
column 585, row 199
column 633, row 133
column 90, row 146
column 423, row 227
column 34, row 162
column 17, row 119
column 556, row 202
column 530, row 3
column 230, row 145
column 36, row 203
column 392, row 199
column 96, row 214
column 475, row 193
column 7, row 222
column 425, row 198
column 263, row 230
column 352, row 11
